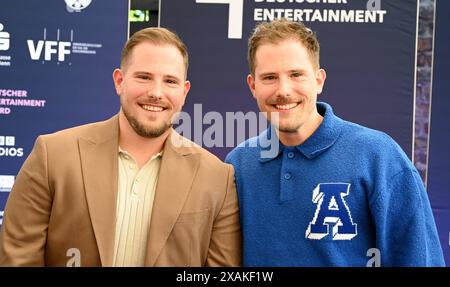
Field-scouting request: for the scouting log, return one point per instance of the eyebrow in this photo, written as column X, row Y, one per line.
column 150, row 74
column 172, row 77
column 274, row 73
column 297, row 71
column 141, row 73
column 266, row 74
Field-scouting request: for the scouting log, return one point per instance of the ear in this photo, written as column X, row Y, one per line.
column 187, row 87
column 321, row 75
column 251, row 84
column 118, row 80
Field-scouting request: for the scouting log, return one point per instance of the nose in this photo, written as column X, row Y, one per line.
column 155, row 90
column 284, row 87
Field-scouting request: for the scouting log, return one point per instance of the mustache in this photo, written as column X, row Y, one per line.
column 156, row 102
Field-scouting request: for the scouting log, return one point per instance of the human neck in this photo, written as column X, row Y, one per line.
column 302, row 134
column 140, row 148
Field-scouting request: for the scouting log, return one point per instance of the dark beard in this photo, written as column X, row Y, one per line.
column 142, row 130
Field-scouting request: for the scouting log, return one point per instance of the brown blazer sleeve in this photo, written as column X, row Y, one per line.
column 24, row 231
column 225, row 246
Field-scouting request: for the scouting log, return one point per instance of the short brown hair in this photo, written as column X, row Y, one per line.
column 157, row 36
column 278, row 30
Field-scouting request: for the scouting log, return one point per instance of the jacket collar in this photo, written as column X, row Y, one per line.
column 99, row 164
column 179, row 165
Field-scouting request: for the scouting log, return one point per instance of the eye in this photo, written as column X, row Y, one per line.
column 171, row 81
column 143, row 77
column 296, row 74
column 269, row 78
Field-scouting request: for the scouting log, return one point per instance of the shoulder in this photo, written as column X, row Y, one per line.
column 371, row 139
column 91, row 131
column 247, row 150
column 376, row 147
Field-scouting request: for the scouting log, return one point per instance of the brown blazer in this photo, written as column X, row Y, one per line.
column 65, row 197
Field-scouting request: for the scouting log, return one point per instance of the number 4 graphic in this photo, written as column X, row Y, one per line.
column 235, row 15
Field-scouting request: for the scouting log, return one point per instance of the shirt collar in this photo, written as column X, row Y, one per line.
column 125, row 153
column 322, row 139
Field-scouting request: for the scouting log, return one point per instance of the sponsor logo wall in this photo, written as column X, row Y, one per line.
column 368, row 48
column 56, row 64
column 57, row 57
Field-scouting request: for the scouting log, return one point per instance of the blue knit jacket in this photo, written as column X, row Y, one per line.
column 347, row 196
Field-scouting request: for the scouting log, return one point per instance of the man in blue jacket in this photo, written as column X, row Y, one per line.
column 335, row 193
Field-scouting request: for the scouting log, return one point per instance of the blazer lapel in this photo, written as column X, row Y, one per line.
column 178, row 168
column 99, row 163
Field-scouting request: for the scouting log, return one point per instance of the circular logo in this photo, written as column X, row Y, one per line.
column 78, row 4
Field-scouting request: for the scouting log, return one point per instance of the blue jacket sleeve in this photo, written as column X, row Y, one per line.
column 405, row 226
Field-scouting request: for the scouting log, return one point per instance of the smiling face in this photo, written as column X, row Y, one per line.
column 152, row 88
column 286, row 82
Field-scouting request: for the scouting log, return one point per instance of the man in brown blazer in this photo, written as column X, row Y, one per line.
column 128, row 191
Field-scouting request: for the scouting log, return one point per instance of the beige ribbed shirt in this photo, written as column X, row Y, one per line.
column 135, row 197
